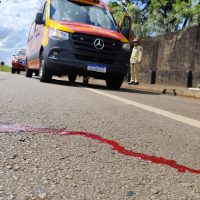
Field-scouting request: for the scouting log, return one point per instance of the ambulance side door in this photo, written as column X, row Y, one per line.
column 39, row 33
column 30, row 46
column 126, row 27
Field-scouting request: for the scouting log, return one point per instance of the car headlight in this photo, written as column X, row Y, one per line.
column 126, row 46
column 57, row 34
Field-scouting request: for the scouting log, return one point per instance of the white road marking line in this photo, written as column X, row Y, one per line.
column 158, row 111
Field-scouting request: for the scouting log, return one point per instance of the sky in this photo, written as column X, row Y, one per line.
column 16, row 17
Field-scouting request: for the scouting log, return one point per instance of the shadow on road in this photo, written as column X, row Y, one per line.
column 98, row 87
column 125, row 90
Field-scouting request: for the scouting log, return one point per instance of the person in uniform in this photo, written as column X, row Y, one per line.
column 135, row 60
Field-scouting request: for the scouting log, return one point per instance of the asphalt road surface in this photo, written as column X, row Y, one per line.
column 61, row 141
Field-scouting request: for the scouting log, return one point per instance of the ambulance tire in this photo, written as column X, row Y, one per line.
column 29, row 73
column 72, row 78
column 114, row 82
column 36, row 73
column 13, row 71
column 44, row 74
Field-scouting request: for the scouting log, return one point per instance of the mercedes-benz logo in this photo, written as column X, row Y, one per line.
column 99, row 44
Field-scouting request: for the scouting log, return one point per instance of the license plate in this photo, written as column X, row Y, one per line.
column 96, row 68
column 24, row 63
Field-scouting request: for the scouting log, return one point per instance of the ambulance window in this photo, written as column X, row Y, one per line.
column 126, row 22
column 31, row 30
column 65, row 10
column 99, row 17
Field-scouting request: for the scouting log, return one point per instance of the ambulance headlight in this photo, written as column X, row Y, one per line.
column 57, row 34
column 126, row 46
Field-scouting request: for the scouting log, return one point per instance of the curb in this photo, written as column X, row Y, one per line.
column 170, row 90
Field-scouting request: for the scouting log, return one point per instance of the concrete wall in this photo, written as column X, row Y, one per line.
column 172, row 59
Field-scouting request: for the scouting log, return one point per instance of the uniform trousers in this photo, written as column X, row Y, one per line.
column 134, row 71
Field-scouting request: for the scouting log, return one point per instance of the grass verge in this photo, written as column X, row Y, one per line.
column 5, row 68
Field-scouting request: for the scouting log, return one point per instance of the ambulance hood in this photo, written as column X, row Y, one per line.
column 92, row 30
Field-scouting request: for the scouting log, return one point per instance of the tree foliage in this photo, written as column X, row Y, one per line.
column 154, row 17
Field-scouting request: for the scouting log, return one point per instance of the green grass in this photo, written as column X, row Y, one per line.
column 5, row 68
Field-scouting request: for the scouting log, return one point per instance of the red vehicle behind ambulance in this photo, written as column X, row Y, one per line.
column 19, row 62
column 78, row 37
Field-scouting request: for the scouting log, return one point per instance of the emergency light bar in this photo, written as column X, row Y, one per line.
column 90, row 2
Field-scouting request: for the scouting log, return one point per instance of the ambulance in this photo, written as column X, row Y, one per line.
column 78, row 38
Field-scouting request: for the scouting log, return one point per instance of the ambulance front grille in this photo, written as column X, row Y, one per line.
column 84, row 45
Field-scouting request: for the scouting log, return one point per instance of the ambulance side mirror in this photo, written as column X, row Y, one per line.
column 125, row 26
column 39, row 18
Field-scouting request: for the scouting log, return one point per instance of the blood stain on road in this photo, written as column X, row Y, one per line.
column 7, row 128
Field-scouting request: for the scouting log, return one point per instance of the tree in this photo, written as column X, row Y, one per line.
column 187, row 12
column 154, row 17
column 119, row 8
column 160, row 16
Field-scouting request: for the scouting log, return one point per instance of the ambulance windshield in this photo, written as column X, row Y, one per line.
column 74, row 11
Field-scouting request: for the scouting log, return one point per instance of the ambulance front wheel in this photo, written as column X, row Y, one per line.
column 114, row 82
column 45, row 74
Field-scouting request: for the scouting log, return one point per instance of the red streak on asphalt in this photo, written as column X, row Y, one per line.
column 120, row 149
column 8, row 128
